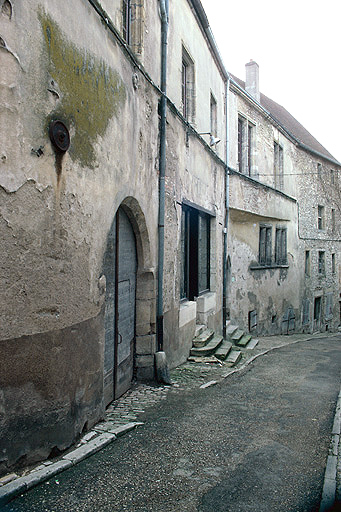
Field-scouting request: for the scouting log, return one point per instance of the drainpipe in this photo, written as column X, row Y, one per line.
column 162, row 170
column 227, row 191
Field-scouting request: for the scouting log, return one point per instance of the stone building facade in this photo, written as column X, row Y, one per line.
column 80, row 220
column 285, row 232
column 118, row 170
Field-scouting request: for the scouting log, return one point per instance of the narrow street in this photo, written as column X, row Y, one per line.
column 256, row 441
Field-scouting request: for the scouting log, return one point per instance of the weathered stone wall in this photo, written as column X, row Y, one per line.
column 272, row 292
column 318, row 183
column 195, row 175
column 56, row 212
column 269, row 291
column 265, row 133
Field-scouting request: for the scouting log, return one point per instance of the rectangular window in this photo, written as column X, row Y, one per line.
column 281, row 246
column 319, row 170
column 321, row 263
column 332, row 179
column 320, row 217
column 132, row 24
column 184, row 89
column 333, row 220
column 333, row 263
column 213, row 116
column 126, row 21
column 278, row 166
column 195, row 253
column 245, row 145
column 265, row 242
column 187, row 87
column 307, row 263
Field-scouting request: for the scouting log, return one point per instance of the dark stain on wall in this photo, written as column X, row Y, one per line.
column 90, row 92
column 46, row 406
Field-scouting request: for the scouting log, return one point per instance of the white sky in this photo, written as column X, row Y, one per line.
column 297, row 44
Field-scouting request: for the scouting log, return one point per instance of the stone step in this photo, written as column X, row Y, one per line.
column 203, row 338
column 252, row 344
column 208, row 349
column 237, row 336
column 231, row 329
column 224, row 349
column 244, row 340
column 199, row 329
column 233, row 358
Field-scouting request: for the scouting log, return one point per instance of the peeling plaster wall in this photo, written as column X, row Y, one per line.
column 184, row 31
column 195, row 175
column 269, row 291
column 263, row 150
column 56, row 212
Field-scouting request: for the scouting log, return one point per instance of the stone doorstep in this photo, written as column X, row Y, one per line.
column 231, row 329
column 203, row 338
column 252, row 344
column 244, row 340
column 211, row 347
column 233, row 358
column 199, row 328
column 224, row 349
column 237, row 335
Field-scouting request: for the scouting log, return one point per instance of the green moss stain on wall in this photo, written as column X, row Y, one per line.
column 91, row 92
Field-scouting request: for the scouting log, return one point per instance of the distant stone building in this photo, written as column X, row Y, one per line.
column 128, row 181
column 284, row 236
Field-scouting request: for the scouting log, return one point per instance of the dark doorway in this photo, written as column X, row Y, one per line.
column 120, row 264
column 195, row 253
column 317, row 312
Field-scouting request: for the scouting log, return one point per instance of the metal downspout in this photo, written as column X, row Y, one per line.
column 162, row 170
column 227, row 191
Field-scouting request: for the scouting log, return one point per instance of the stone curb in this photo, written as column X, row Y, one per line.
column 24, row 483
column 329, row 485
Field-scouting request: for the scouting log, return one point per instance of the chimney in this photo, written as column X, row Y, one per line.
column 252, row 79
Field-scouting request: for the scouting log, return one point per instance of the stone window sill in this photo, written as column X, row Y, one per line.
column 267, row 267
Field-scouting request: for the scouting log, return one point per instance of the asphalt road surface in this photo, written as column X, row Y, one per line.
column 258, row 441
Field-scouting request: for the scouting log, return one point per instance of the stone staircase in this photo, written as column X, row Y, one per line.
column 207, row 344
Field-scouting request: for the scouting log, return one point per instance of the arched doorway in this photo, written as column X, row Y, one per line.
column 120, row 268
